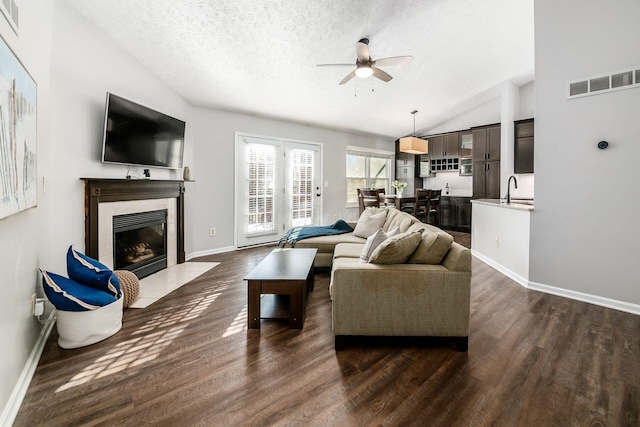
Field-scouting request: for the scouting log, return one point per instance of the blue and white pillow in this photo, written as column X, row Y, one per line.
column 68, row 295
column 91, row 272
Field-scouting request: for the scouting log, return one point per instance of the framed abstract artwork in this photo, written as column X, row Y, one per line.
column 18, row 97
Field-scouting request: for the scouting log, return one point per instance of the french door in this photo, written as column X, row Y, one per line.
column 278, row 187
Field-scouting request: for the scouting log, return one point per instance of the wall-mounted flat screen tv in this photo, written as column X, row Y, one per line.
column 137, row 135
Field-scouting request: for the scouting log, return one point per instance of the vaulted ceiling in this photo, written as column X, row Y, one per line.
column 259, row 57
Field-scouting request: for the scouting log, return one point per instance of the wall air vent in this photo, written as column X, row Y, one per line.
column 625, row 79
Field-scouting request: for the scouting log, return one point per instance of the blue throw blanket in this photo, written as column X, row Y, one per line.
column 299, row 233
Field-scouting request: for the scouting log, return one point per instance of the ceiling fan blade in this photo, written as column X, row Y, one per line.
column 362, row 50
column 348, row 77
column 393, row 60
column 334, row 65
column 382, row 75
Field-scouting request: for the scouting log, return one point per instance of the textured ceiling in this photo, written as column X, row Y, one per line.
column 259, row 57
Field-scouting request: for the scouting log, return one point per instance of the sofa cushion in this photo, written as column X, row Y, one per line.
column 402, row 220
column 374, row 241
column 396, row 249
column 418, row 226
column 433, row 246
column 90, row 272
column 348, row 250
column 326, row 244
column 369, row 222
column 68, row 295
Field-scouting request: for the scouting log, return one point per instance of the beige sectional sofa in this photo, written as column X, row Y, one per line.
column 426, row 295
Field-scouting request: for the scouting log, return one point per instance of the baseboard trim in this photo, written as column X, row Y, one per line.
column 210, row 252
column 502, row 269
column 626, row 307
column 20, row 390
column 589, row 298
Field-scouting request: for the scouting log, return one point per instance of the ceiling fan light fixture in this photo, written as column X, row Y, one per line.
column 364, row 70
column 412, row 144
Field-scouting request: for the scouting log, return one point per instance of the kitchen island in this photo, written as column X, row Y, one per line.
column 500, row 236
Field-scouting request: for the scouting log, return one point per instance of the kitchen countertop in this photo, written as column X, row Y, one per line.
column 504, row 204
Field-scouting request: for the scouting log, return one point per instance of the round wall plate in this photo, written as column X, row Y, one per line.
column 603, row 144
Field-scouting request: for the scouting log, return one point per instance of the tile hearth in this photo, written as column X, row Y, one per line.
column 160, row 284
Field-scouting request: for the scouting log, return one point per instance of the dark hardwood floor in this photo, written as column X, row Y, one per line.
column 188, row 359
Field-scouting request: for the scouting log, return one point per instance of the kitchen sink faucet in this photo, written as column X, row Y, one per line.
column 515, row 182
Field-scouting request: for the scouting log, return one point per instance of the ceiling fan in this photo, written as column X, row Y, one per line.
column 367, row 67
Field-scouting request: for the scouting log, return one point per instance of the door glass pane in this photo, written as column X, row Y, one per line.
column 261, row 188
column 301, row 187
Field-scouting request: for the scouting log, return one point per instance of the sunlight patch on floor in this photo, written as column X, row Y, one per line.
column 148, row 342
column 239, row 324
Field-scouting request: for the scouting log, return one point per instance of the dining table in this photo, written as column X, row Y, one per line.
column 394, row 200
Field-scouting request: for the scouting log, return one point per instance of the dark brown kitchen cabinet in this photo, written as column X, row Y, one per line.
column 455, row 213
column 444, row 146
column 523, row 146
column 451, row 144
column 486, row 143
column 436, row 146
column 486, row 162
column 486, row 180
column 444, row 151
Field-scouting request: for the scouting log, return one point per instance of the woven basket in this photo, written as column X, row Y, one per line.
column 130, row 286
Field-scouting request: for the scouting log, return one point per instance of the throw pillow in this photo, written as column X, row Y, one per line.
column 374, row 241
column 432, row 248
column 68, row 295
column 393, row 232
column 368, row 223
column 90, row 272
column 396, row 249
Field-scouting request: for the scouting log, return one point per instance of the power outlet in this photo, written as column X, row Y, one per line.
column 37, row 305
column 497, row 242
column 212, row 232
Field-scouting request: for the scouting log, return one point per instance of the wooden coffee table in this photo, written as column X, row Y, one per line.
column 282, row 272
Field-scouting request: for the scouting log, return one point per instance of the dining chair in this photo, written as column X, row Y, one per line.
column 421, row 204
column 368, row 198
column 434, row 207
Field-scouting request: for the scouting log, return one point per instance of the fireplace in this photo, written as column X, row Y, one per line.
column 106, row 198
column 140, row 242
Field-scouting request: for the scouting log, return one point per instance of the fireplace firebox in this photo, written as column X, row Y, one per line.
column 140, row 242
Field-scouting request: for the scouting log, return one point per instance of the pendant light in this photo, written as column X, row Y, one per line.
column 412, row 144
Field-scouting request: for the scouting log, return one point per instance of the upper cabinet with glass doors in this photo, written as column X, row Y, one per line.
column 466, row 153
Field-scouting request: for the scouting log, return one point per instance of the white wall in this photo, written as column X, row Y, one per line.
column 22, row 247
column 212, row 195
column 584, row 230
column 527, row 101
column 85, row 65
column 74, row 65
column 501, row 239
